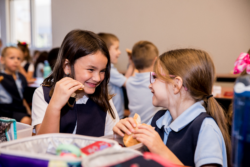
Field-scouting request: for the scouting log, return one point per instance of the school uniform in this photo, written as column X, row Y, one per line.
column 28, row 67
column 194, row 137
column 11, row 96
column 38, row 71
column 115, row 87
column 140, row 96
column 84, row 118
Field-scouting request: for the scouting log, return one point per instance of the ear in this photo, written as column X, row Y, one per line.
column 2, row 60
column 178, row 82
column 66, row 67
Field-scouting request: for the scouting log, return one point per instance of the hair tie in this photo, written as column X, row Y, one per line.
column 209, row 96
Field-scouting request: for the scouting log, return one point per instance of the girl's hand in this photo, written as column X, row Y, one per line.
column 150, row 138
column 63, row 89
column 126, row 125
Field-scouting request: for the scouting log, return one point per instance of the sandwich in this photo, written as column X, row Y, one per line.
column 128, row 140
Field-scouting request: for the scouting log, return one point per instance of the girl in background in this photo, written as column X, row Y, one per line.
column 26, row 68
column 193, row 130
column 12, row 87
column 58, row 106
column 39, row 65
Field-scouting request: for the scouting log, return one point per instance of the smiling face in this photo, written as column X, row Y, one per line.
column 162, row 92
column 12, row 60
column 114, row 52
column 90, row 70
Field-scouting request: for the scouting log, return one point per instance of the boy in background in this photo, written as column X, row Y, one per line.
column 117, row 80
column 144, row 54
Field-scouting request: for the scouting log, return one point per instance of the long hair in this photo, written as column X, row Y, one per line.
column 197, row 71
column 24, row 48
column 77, row 44
column 42, row 57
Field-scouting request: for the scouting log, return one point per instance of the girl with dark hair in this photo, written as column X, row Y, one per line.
column 39, row 65
column 193, row 130
column 59, row 106
column 26, row 68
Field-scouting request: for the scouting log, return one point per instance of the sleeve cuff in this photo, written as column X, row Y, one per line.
column 210, row 160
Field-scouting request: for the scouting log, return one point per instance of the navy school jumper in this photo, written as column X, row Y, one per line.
column 9, row 84
column 90, row 118
column 182, row 143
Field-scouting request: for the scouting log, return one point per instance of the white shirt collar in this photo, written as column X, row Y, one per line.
column 185, row 118
column 82, row 100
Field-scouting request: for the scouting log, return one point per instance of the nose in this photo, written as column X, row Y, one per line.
column 119, row 52
column 150, row 86
column 97, row 77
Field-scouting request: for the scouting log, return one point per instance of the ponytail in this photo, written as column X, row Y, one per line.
column 197, row 71
column 218, row 114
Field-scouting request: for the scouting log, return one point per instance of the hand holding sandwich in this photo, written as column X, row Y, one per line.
column 63, row 90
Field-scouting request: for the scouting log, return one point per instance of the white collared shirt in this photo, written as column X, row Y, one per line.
column 30, row 68
column 210, row 148
column 39, row 106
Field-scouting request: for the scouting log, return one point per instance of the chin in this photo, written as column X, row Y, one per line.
column 89, row 91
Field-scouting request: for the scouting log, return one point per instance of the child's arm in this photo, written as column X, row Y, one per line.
column 151, row 139
column 62, row 92
column 26, row 106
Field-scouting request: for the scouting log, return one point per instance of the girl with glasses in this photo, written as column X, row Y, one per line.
column 193, row 130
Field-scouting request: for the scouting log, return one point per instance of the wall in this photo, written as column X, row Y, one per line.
column 222, row 28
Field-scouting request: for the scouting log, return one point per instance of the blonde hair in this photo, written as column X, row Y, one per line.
column 197, row 71
column 143, row 54
column 4, row 51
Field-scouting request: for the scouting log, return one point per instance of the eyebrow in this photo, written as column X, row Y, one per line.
column 90, row 66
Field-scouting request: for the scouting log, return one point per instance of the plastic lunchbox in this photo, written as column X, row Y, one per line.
column 23, row 130
column 40, row 150
column 139, row 147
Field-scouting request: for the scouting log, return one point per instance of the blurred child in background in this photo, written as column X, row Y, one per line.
column 117, row 80
column 26, row 68
column 52, row 57
column 39, row 65
column 12, row 87
column 35, row 56
column 144, row 54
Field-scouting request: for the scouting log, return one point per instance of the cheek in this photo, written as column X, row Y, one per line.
column 102, row 76
column 82, row 76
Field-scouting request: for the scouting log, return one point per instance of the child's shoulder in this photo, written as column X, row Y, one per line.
column 210, row 123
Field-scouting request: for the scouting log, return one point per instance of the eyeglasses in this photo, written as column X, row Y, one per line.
column 153, row 77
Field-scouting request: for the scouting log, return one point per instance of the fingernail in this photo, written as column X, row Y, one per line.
column 129, row 133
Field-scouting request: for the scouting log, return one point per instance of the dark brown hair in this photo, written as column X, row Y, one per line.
column 143, row 54
column 108, row 38
column 76, row 44
column 24, row 48
column 197, row 71
column 42, row 57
